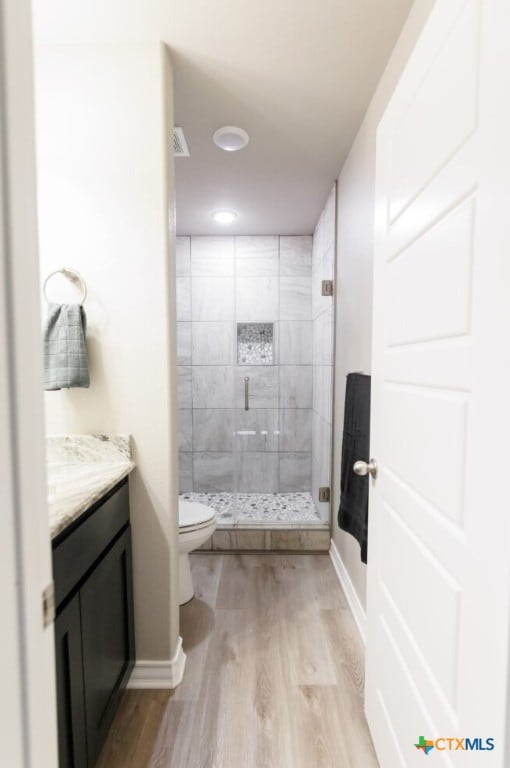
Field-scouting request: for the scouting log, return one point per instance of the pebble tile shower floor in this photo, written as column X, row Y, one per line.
column 259, row 507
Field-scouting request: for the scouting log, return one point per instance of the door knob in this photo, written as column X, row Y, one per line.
column 363, row 468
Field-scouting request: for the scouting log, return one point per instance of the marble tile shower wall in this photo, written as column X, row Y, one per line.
column 223, row 281
column 323, row 268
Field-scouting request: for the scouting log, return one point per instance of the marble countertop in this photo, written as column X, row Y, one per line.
column 80, row 470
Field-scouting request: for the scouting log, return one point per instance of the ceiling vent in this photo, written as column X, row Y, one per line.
column 181, row 148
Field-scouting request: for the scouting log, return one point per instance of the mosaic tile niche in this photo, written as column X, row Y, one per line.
column 255, row 344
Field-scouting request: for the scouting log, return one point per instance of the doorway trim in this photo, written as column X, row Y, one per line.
column 29, row 734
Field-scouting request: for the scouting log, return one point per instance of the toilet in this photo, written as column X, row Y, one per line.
column 197, row 523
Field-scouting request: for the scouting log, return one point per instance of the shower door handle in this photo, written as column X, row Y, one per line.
column 246, row 393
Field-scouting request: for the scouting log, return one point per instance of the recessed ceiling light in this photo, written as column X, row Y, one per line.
column 224, row 217
column 230, row 138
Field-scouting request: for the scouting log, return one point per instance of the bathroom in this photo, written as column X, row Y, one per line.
column 249, row 348
column 262, row 393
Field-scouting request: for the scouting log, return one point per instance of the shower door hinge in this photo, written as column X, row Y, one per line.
column 48, row 605
column 327, row 287
column 324, row 494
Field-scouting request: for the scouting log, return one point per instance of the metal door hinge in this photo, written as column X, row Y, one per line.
column 324, row 494
column 48, row 605
column 327, row 287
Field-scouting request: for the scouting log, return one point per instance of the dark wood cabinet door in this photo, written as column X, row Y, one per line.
column 106, row 600
column 72, row 749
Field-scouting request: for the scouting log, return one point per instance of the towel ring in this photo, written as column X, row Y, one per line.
column 73, row 276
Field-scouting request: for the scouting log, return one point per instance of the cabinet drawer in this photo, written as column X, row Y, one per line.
column 74, row 555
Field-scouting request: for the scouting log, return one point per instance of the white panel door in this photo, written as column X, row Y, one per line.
column 439, row 538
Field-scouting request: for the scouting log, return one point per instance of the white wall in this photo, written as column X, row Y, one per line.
column 104, row 119
column 355, row 236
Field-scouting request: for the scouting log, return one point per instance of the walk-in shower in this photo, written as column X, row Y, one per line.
column 255, row 355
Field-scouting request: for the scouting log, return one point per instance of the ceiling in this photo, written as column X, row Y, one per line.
column 296, row 74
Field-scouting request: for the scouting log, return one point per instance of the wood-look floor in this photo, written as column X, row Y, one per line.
column 274, row 675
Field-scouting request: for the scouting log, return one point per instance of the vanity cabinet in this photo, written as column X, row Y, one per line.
column 94, row 632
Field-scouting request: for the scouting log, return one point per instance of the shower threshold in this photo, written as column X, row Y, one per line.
column 261, row 510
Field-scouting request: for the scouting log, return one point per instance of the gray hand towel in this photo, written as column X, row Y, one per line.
column 353, row 511
column 65, row 352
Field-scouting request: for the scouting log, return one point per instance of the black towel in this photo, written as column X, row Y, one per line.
column 353, row 511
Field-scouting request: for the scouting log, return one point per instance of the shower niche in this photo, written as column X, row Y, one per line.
column 255, row 344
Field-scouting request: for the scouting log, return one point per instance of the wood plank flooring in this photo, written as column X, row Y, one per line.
column 274, row 675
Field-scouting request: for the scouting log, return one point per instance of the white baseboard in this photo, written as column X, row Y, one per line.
column 159, row 674
column 355, row 605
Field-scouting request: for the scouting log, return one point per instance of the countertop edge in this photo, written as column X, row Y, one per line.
column 96, row 493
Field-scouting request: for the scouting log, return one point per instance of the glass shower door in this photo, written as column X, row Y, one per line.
column 255, row 372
